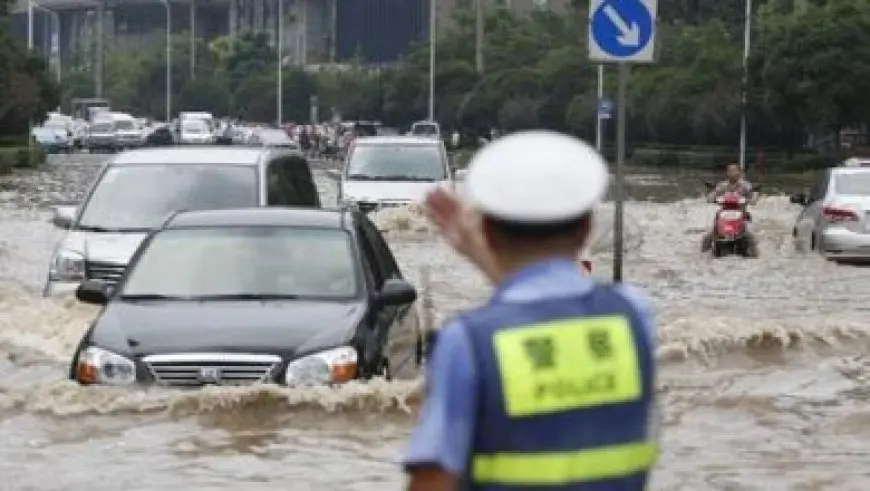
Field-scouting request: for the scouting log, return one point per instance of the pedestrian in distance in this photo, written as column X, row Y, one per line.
column 550, row 384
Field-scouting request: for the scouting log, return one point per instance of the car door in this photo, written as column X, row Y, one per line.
column 809, row 219
column 399, row 325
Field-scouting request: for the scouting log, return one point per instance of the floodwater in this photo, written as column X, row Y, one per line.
column 764, row 384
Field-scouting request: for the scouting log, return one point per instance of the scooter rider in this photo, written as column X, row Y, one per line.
column 733, row 183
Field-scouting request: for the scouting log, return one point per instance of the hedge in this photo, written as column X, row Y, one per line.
column 20, row 158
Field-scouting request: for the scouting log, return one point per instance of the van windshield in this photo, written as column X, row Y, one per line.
column 397, row 163
column 140, row 197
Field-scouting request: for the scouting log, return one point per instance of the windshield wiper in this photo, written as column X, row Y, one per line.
column 406, row 178
column 363, row 177
column 151, row 296
column 245, row 296
column 95, row 228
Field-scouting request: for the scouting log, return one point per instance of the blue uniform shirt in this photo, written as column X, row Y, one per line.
column 445, row 432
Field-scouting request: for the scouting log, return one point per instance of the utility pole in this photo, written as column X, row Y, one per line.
column 192, row 39
column 100, row 54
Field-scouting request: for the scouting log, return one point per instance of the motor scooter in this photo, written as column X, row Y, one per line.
column 730, row 234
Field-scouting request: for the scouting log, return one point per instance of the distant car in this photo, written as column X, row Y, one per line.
column 136, row 190
column 195, row 132
column 160, row 137
column 52, row 140
column 392, row 170
column 273, row 138
column 835, row 215
column 101, row 136
column 426, row 129
column 237, row 297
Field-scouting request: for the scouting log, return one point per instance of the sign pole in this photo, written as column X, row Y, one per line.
column 621, row 32
column 619, row 199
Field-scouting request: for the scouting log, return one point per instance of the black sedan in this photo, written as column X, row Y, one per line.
column 237, row 297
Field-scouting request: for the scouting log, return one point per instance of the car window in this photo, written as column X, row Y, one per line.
column 102, row 128
column 371, row 260
column 819, row 187
column 424, row 130
column 290, row 183
column 397, row 162
column 124, row 125
column 141, row 196
column 257, row 260
column 852, row 183
column 383, row 254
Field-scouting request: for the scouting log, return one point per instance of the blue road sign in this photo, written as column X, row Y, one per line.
column 605, row 108
column 622, row 30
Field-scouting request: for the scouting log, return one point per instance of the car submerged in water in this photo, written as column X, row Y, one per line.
column 287, row 296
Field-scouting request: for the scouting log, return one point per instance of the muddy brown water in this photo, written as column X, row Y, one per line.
column 764, row 383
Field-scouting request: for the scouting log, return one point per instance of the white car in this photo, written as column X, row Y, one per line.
column 383, row 171
column 835, row 218
column 195, row 132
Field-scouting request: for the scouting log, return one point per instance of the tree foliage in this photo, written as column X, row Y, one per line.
column 27, row 91
column 807, row 72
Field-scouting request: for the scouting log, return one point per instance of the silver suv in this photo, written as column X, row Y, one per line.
column 835, row 218
column 137, row 190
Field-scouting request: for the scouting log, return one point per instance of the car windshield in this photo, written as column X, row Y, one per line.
column 124, row 125
column 397, row 163
column 853, row 183
column 246, row 263
column 424, row 130
column 137, row 197
column 102, row 128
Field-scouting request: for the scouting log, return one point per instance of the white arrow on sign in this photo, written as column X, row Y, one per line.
column 630, row 35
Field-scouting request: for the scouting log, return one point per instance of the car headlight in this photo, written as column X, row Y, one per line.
column 67, row 265
column 334, row 366
column 99, row 366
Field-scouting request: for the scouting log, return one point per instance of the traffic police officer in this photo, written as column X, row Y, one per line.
column 550, row 384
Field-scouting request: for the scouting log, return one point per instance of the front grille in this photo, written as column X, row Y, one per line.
column 197, row 369
column 109, row 272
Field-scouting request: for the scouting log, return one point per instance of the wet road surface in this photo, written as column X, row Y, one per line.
column 764, row 385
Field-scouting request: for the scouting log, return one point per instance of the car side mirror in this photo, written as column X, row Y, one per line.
column 397, row 292
column 709, row 185
column 333, row 174
column 63, row 216
column 94, row 292
column 798, row 199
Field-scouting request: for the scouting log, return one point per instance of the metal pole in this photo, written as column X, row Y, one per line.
column 479, row 35
column 192, row 39
column 747, row 31
column 280, row 47
column 599, row 123
column 620, row 162
column 432, row 41
column 168, row 60
column 101, row 33
column 29, row 25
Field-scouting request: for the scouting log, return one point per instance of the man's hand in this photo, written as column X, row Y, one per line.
column 461, row 227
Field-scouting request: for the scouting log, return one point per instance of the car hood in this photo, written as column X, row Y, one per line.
column 387, row 190
column 278, row 327
column 108, row 247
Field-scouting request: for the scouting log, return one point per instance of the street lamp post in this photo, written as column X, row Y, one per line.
column 192, row 39
column 747, row 33
column 478, row 35
column 168, row 60
column 432, row 40
column 280, row 48
column 29, row 25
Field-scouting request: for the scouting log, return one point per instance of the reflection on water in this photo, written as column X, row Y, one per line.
column 764, row 383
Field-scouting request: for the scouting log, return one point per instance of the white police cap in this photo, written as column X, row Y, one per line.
column 536, row 177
